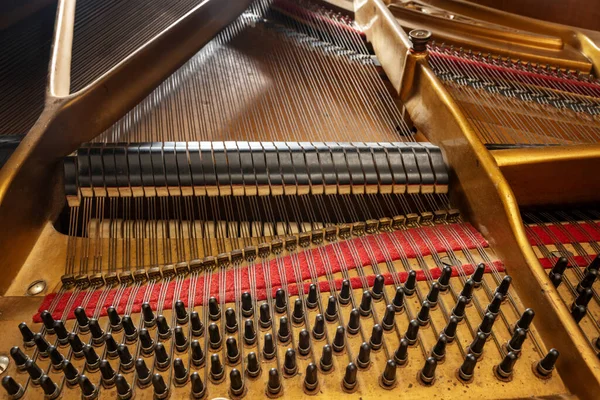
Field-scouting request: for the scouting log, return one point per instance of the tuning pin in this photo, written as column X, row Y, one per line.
column 546, row 365
column 365, row 304
column 516, row 342
column 48, row 321
column 108, row 374
column 265, row 316
column 298, row 314
column 304, row 342
column 124, row 391
column 274, row 383
column 198, row 388
column 290, row 367
column 252, row 366
column 459, row 309
column 504, row 286
column 423, row 315
column 181, row 313
column 88, row 389
column 249, row 332
column 217, row 372
column 71, row 373
column 467, row 291
column 588, row 280
column 401, row 353
column 476, row 346
column 319, row 328
column 312, row 298
column 82, row 319
column 376, row 340
column 146, row 341
column 364, row 356
column 111, row 345
column 450, row 329
column 284, row 334
column 91, row 358
column 525, row 319
column 326, row 361
column 427, row 374
column 197, row 326
column 161, row 357
column 41, row 344
column 19, row 357
column 35, row 372
column 412, row 332
column 411, row 283
column 388, row 319
column 214, row 311
column 268, row 347
column 50, row 388
column 280, row 301
column 504, row 370
column 247, row 308
column 477, row 276
column 433, row 295
column 439, row 349
column 13, row 388
column 236, row 383
column 76, row 344
column 233, row 354
column 486, row 324
column 164, row 331
column 148, row 315
column 354, row 322
column 131, row 332
column 578, row 312
column 556, row 273
column 181, row 342
column 125, row 357
column 331, row 311
column 311, row 381
column 214, row 336
column 350, row 377
column 161, row 390
column 97, row 332
column 595, row 264
column 56, row 358
column 466, row 370
column 339, row 341
column 377, row 290
column 197, row 353
column 388, row 378
column 180, row 372
column 230, row 320
column 115, row 320
column 344, row 295
column 398, row 301
column 144, row 376
column 61, row 333
column 27, row 334
column 583, row 298
column 494, row 306
column 444, row 279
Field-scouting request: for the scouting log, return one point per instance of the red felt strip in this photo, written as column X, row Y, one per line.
column 396, row 243
column 564, row 234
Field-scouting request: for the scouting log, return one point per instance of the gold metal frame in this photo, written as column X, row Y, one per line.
column 480, row 189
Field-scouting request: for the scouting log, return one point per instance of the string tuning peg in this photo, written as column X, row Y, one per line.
column 546, row 365
column 268, row 347
column 181, row 342
column 98, row 334
column 217, row 372
column 249, row 332
column 71, row 373
column 125, row 357
column 161, row 390
column 51, row 390
column 61, row 333
column 111, row 346
column 56, row 358
column 387, row 322
column 34, row 371
column 82, row 319
column 280, row 301
column 274, row 382
column 477, row 276
column 161, row 357
column 412, row 332
column 423, row 315
column 411, row 283
column 27, row 334
column 588, row 280
column 466, row 370
column 388, row 378
column 76, row 344
column 148, row 315
column 12, row 387
column 401, row 353
column 304, row 342
column 377, row 290
column 331, row 310
column 236, row 383
column 89, row 391
column 595, row 264
column 525, row 320
column 433, row 295
column 181, row 313
column 114, row 318
column 467, row 290
column 516, row 341
column 198, row 388
column 349, row 381
column 284, row 333
column 41, row 344
column 344, row 295
column 233, row 353
column 265, row 316
column 476, row 346
column 298, row 313
column 319, row 327
column 376, row 340
column 252, row 366
column 364, row 356
column 339, row 340
column 131, row 332
column 578, row 312
column 18, row 357
column 504, row 286
column 450, row 329
column 459, row 309
column 143, row 373
column 326, row 361
column 124, row 391
column 214, row 336
column 108, row 374
column 311, row 381
column 146, row 341
column 180, row 372
column 504, row 370
column 231, row 325
column 197, row 353
column 214, row 310
column 197, row 325
column 91, row 358
column 398, row 301
column 494, row 306
column 312, row 298
column 439, row 349
column 164, row 330
column 486, row 324
column 365, row 304
column 247, row 307
column 290, row 367
column 444, row 279
column 427, row 374
column 48, row 321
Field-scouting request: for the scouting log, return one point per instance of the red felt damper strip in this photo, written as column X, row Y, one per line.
column 568, row 233
column 352, row 253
